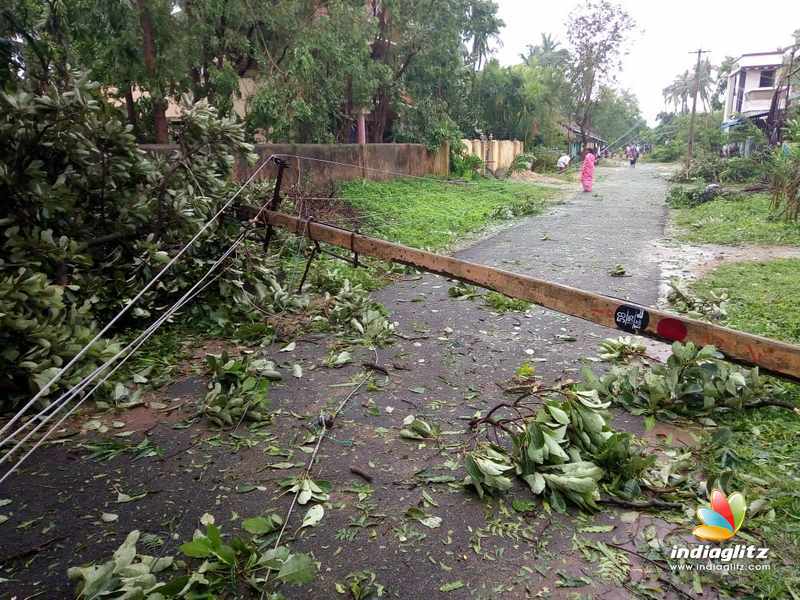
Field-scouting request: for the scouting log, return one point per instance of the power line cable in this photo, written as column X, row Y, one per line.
column 131, row 302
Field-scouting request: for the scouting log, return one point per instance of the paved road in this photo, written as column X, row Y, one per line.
column 445, row 375
column 577, row 243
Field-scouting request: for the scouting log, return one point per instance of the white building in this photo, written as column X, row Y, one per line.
column 751, row 85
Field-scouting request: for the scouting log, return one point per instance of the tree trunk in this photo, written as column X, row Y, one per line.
column 156, row 95
column 131, row 109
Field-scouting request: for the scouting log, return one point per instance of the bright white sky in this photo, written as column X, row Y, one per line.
column 668, row 31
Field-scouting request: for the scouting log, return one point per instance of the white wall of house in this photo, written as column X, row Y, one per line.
column 756, row 93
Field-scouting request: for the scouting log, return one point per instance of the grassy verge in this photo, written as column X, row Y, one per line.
column 432, row 214
column 746, row 220
column 763, row 296
column 763, row 453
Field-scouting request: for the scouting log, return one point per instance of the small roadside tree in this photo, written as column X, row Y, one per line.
column 596, row 33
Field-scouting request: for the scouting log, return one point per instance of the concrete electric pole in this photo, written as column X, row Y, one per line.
column 694, row 107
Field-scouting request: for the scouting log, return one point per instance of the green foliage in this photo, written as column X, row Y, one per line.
column 753, row 450
column 622, row 349
column 227, row 564
column 545, row 159
column 693, row 381
column 502, row 303
column 616, row 115
column 489, row 469
column 415, row 428
column 426, row 122
column 127, row 574
column 689, row 196
column 712, row 306
column 739, row 169
column 362, row 585
column 521, row 162
column 358, row 316
column 711, row 168
column 682, row 89
column 784, row 174
column 566, row 448
column 463, row 163
column 736, row 221
column 669, row 152
column 108, row 449
column 307, row 489
column 237, row 389
column 670, row 137
column 89, row 220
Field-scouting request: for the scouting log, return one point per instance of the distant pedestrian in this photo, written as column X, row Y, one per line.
column 633, row 155
column 587, row 169
column 563, row 162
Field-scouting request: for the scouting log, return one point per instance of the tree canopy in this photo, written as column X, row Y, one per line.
column 304, row 71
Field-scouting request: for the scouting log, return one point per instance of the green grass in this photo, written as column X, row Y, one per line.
column 747, row 220
column 765, row 442
column 764, row 296
column 434, row 214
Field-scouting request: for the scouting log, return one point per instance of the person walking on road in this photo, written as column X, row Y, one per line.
column 633, row 155
column 587, row 169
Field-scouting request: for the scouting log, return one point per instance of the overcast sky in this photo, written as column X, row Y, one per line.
column 668, row 31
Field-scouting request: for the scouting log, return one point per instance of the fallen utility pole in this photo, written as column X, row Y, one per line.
column 776, row 357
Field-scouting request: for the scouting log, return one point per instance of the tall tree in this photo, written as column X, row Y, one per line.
column 723, row 72
column 617, row 114
column 149, row 54
column 597, row 33
column 482, row 28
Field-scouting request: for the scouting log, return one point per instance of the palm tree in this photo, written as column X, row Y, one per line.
column 485, row 28
column 681, row 90
column 547, row 53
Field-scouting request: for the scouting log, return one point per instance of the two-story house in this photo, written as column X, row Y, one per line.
column 751, row 84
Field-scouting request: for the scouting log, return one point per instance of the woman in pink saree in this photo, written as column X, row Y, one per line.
column 587, row 170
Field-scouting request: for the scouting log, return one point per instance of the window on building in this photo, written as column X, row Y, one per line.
column 767, row 78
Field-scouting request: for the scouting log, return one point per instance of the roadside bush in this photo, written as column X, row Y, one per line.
column 714, row 169
column 705, row 167
column 544, row 159
column 740, row 169
column 462, row 163
column 521, row 162
column 670, row 152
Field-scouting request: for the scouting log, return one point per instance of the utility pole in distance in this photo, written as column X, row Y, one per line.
column 694, row 107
